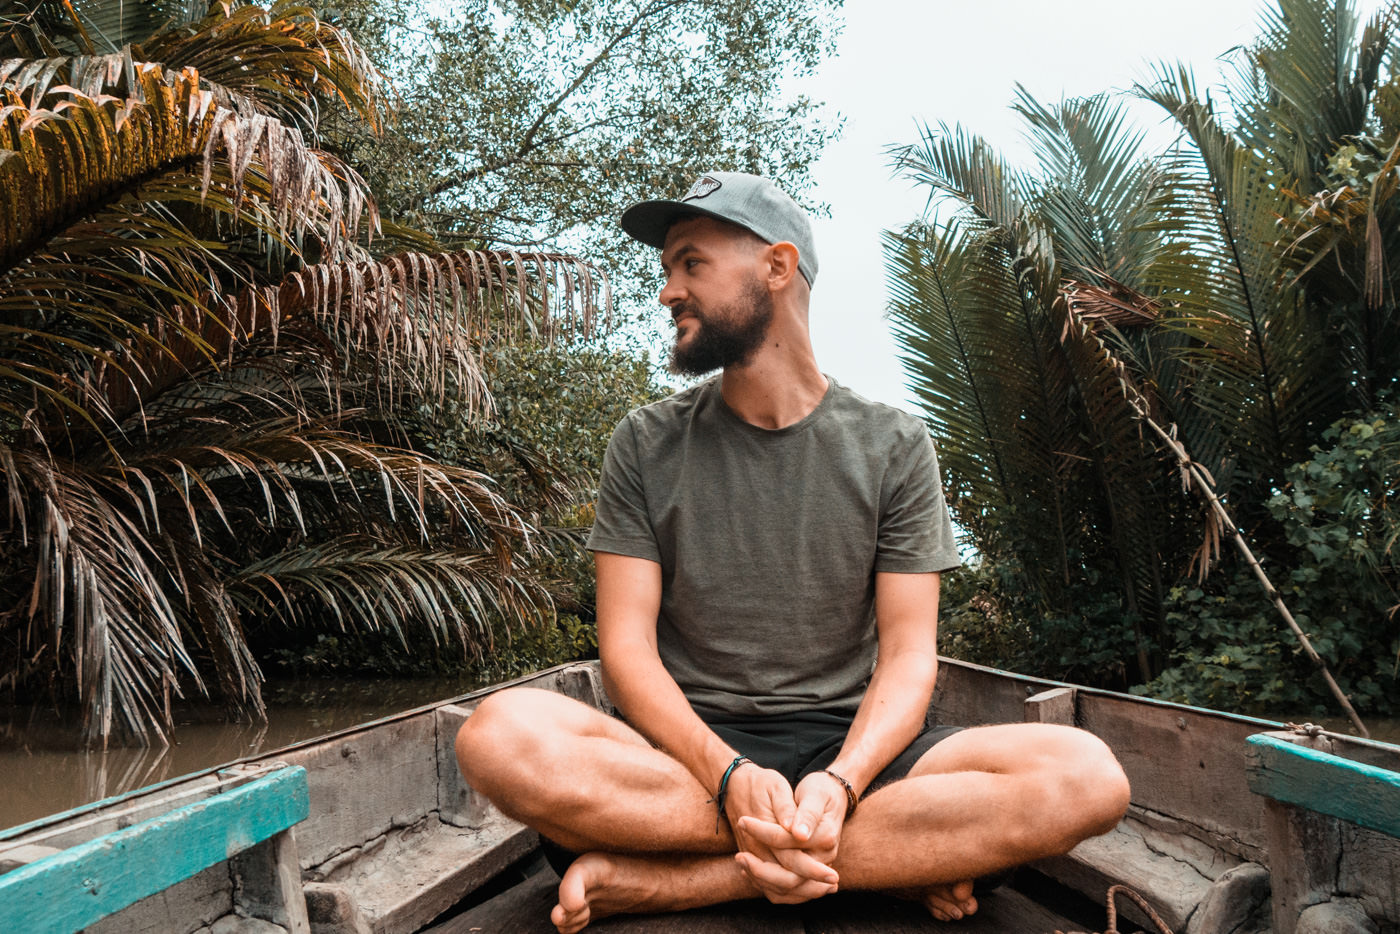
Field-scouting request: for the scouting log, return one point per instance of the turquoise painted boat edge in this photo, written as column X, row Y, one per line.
column 1353, row 791
column 70, row 890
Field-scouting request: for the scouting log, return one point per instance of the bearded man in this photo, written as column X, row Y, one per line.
column 768, row 548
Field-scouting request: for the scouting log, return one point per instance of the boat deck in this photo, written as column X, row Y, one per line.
column 524, row 909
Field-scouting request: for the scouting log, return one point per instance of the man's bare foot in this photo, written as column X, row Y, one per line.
column 950, row 901
column 602, row 884
column 598, row 885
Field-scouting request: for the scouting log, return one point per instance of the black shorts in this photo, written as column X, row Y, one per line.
column 793, row 744
column 802, row 743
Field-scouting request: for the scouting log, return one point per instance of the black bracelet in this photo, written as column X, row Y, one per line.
column 724, row 787
column 851, row 798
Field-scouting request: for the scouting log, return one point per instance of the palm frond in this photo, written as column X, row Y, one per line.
column 67, row 149
column 966, row 321
column 368, row 585
column 953, row 163
column 278, row 60
column 100, row 592
column 1221, row 266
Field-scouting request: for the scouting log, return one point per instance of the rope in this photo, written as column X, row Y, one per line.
column 1113, row 911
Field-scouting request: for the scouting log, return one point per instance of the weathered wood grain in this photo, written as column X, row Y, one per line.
column 1303, row 847
column 458, row 803
column 420, row 872
column 1181, row 762
column 184, row 908
column 80, row 885
column 1353, row 791
column 102, row 817
column 970, row 695
column 365, row 783
column 1004, row 911
column 1175, row 882
column 1056, row 705
column 1370, row 870
column 269, row 884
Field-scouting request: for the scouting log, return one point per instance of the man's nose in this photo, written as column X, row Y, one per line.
column 671, row 293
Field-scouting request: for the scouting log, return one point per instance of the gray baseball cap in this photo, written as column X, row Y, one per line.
column 747, row 200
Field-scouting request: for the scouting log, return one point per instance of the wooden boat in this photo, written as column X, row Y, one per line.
column 1237, row 827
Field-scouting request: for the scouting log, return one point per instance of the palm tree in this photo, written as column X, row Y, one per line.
column 206, row 361
column 1014, row 319
column 1237, row 287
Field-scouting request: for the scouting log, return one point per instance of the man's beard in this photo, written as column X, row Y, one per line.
column 727, row 336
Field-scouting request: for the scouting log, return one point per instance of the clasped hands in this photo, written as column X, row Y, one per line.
column 787, row 837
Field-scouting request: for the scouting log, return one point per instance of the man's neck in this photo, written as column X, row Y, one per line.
column 779, row 387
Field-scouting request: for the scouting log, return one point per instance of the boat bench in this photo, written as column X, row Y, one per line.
column 70, row 889
column 1309, row 792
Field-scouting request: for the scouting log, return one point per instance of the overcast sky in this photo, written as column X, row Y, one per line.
column 903, row 62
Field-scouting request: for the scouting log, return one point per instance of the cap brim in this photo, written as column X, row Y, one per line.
column 648, row 221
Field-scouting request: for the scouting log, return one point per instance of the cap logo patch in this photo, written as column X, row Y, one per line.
column 704, row 186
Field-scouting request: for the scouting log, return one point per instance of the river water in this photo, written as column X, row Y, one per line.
column 44, row 769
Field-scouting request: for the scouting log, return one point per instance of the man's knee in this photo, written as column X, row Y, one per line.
column 1090, row 786
column 502, row 736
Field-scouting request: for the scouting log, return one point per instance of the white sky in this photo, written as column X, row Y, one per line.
column 957, row 61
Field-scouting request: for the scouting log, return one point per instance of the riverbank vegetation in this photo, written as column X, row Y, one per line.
column 294, row 363
column 1236, row 289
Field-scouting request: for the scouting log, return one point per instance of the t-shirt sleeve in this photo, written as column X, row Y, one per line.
column 916, row 532
column 620, row 524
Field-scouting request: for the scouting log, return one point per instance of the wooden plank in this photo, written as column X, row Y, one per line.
column 1309, row 778
column 419, row 873
column 1002, row 911
column 1369, row 871
column 1184, row 763
column 269, row 884
column 525, row 909
column 459, row 804
column 970, row 695
column 1162, row 868
column 90, row 821
column 1056, row 705
column 1303, row 847
column 522, row 909
column 366, row 783
column 187, row 907
column 74, row 888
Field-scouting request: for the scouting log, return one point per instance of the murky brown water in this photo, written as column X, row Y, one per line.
column 43, row 768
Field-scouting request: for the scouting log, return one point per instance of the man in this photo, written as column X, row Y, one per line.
column 768, row 548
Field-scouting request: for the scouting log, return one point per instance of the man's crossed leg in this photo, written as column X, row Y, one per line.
column 982, row 800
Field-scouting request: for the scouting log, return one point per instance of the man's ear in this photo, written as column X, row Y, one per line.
column 782, row 265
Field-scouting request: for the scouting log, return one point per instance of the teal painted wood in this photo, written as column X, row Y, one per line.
column 68, row 891
column 1354, row 791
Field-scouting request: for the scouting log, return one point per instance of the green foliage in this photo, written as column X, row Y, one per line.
column 987, row 619
column 208, row 370
column 1338, row 512
column 530, row 124
column 1237, row 288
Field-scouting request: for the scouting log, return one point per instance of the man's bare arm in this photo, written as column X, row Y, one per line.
column 892, row 711
column 629, row 599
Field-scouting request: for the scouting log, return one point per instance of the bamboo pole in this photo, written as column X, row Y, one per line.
column 1203, row 483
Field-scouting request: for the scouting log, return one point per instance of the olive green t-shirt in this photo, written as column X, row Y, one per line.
column 769, row 541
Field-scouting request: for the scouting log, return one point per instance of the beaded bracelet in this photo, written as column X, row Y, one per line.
column 724, row 787
column 851, row 798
